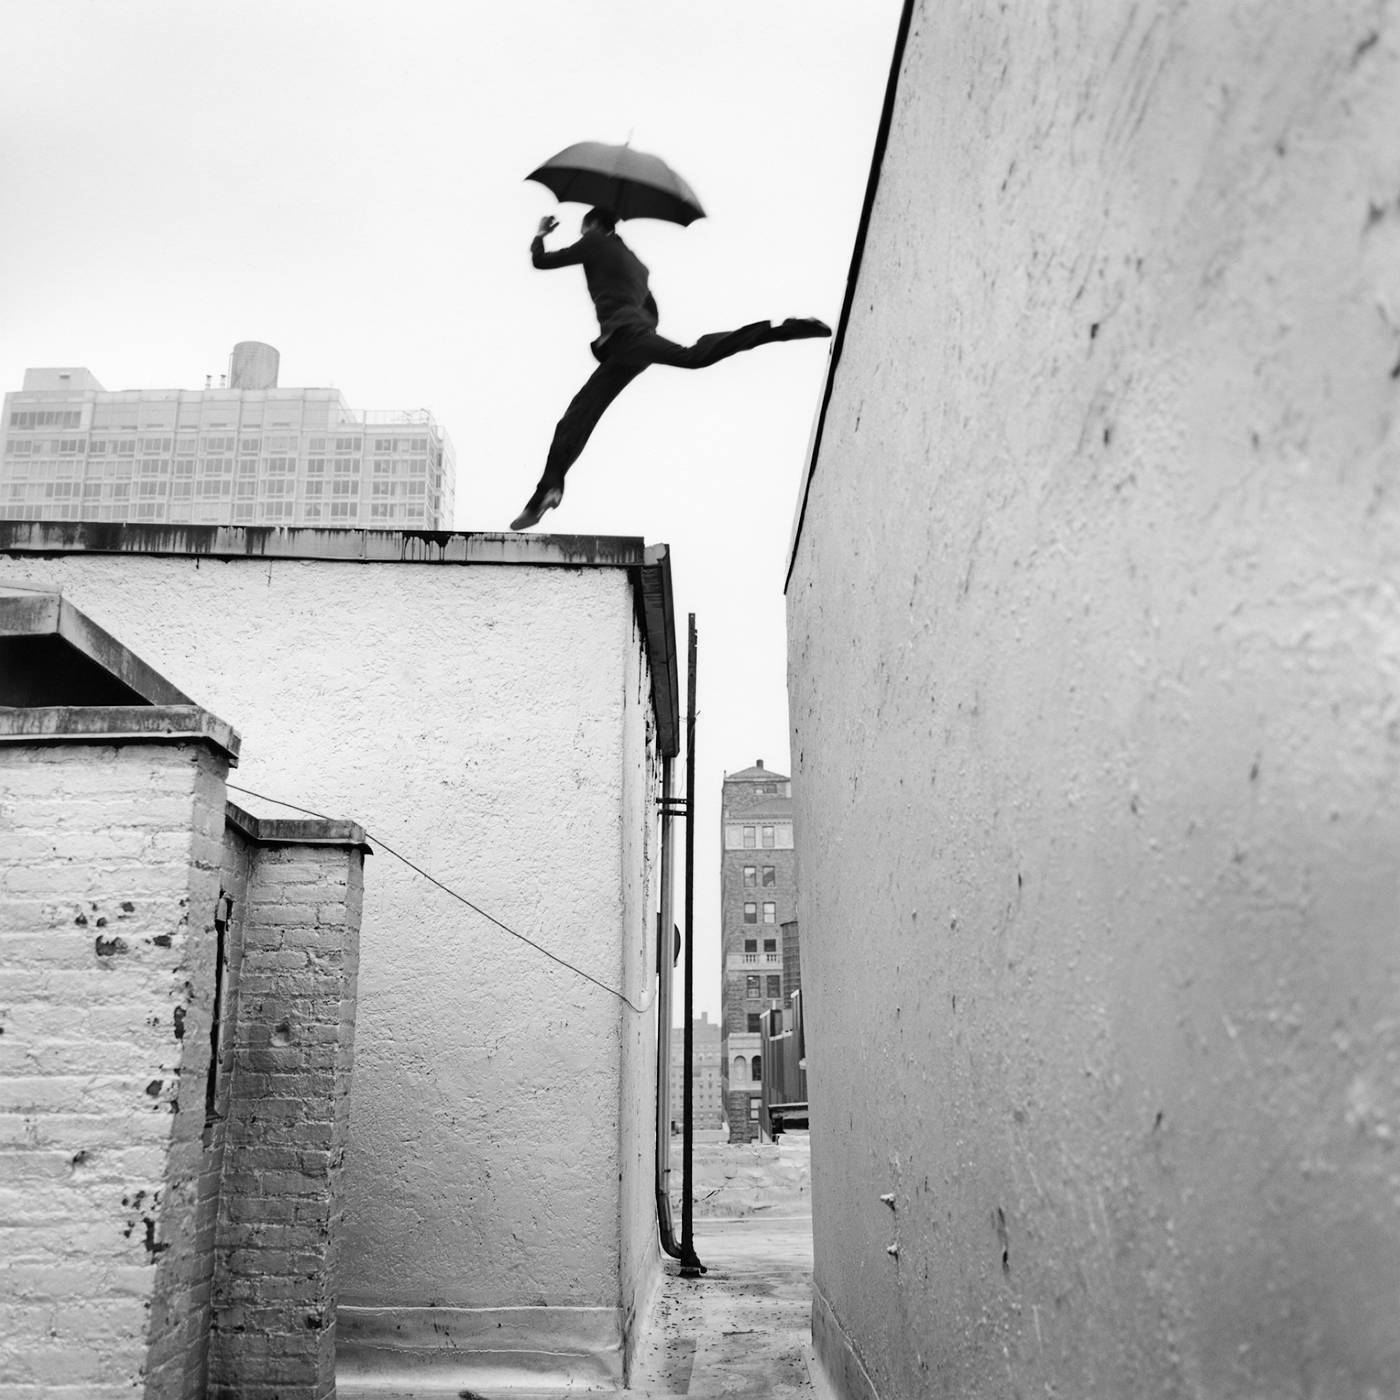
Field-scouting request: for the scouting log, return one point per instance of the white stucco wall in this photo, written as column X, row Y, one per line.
column 1095, row 656
column 639, row 875
column 490, row 722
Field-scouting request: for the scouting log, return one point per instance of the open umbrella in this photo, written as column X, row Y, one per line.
column 631, row 183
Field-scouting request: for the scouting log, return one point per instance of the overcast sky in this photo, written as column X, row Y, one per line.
column 344, row 180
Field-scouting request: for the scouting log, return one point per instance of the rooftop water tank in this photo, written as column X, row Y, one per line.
column 253, row 366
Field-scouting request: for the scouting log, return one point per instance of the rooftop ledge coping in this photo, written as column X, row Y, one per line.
column 118, row 724
column 298, row 831
column 307, row 542
column 651, row 563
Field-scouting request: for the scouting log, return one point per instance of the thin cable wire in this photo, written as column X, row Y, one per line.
column 447, row 889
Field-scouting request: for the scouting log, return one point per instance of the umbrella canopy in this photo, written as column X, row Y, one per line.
column 631, row 183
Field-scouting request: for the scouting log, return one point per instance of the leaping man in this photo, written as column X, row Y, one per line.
column 627, row 342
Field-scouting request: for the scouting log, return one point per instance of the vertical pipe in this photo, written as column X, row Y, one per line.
column 690, row 1262
column 665, row 960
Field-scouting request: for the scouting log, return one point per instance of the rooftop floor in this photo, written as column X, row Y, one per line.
column 742, row 1329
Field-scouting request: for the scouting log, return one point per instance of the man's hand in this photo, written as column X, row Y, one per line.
column 547, row 225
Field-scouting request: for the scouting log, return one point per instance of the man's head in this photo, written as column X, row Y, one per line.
column 600, row 220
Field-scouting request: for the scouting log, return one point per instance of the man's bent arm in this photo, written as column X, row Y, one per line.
column 565, row 257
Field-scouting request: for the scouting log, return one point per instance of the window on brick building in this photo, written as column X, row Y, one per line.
column 751, row 988
column 751, row 913
column 767, row 838
column 770, row 912
column 753, row 1019
column 770, row 945
column 751, row 945
column 749, row 838
column 740, row 1069
column 775, row 987
column 770, row 876
column 750, row 874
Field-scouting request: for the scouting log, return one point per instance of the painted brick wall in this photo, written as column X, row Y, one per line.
column 108, row 880
column 287, row 1120
column 239, row 853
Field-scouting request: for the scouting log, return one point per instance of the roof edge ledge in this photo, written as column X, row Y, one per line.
column 352, row 546
column 297, row 831
column 119, row 724
column 656, row 610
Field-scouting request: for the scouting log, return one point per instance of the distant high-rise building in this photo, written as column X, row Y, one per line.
column 707, row 1101
column 246, row 454
column 758, row 895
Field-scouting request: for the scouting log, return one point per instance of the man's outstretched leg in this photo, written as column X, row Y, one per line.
column 627, row 358
column 720, row 345
column 571, row 436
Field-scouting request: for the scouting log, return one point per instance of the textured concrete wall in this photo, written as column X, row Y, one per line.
column 109, row 862
column 475, row 718
column 1094, row 668
column 285, row 1121
column 639, row 876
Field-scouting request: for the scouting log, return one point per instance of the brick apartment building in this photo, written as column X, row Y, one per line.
column 758, row 895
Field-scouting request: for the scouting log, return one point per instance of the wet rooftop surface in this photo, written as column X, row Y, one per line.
column 743, row 1328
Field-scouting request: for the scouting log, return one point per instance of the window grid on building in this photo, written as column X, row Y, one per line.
column 213, row 457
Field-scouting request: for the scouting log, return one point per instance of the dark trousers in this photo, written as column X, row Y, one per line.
column 621, row 359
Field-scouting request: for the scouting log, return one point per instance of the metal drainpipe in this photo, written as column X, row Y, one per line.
column 665, row 960
column 690, row 1262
